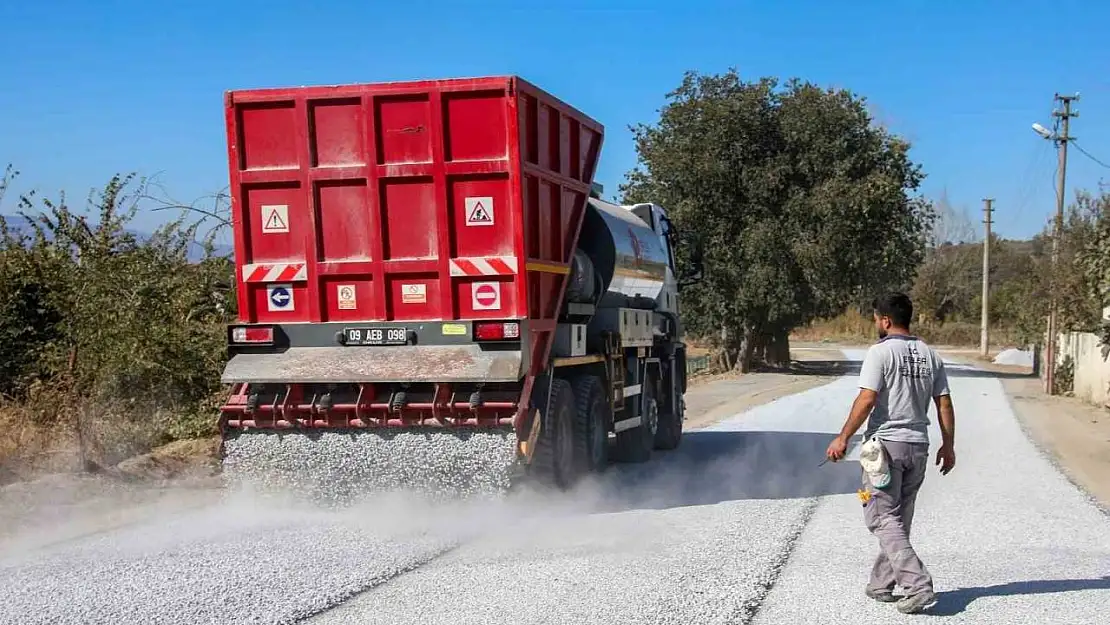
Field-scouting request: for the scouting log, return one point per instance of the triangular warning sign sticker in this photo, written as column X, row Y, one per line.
column 274, row 222
column 479, row 215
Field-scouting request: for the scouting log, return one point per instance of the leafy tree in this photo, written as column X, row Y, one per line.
column 1025, row 277
column 801, row 205
column 1094, row 259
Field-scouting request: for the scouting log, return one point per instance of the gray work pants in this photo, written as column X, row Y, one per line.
column 889, row 515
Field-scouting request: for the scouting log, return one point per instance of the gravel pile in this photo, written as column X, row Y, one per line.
column 1014, row 357
column 337, row 465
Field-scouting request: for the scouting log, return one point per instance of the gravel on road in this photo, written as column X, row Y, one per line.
column 696, row 536
column 740, row 522
column 245, row 560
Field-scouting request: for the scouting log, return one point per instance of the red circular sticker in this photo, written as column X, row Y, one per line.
column 485, row 295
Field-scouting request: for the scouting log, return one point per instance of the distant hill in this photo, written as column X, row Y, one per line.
column 18, row 223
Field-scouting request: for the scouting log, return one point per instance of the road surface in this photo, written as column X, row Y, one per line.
column 739, row 525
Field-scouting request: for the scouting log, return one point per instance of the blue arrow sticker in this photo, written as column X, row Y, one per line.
column 280, row 297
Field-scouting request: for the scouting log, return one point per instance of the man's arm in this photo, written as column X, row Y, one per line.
column 861, row 409
column 946, row 415
column 870, row 383
column 947, row 420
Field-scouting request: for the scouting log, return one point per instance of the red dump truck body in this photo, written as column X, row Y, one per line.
column 381, row 230
column 429, row 200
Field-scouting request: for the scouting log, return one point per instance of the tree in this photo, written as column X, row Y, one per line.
column 949, row 278
column 1025, row 278
column 801, row 205
column 1093, row 260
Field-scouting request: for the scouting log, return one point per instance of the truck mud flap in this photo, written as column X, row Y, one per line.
column 324, row 365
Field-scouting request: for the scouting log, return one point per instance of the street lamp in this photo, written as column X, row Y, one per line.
column 1061, row 140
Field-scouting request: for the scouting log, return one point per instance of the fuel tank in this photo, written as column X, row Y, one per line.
column 627, row 255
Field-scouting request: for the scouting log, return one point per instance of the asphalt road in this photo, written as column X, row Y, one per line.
column 739, row 523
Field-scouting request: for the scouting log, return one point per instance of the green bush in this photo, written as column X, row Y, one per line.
column 124, row 332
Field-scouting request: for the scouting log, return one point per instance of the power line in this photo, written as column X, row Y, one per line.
column 1088, row 154
column 1031, row 182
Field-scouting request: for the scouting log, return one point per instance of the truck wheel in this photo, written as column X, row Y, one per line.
column 669, row 434
column 553, row 461
column 635, row 444
column 591, row 434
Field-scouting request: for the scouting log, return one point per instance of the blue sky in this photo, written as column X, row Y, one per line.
column 91, row 88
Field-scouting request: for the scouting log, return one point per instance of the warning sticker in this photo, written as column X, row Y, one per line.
column 486, row 296
column 479, row 211
column 279, row 297
column 275, row 218
column 454, row 329
column 414, row 293
column 346, row 296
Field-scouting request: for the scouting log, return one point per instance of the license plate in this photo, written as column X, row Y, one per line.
column 376, row 336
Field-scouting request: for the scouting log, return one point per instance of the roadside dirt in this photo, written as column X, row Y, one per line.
column 63, row 506
column 1074, row 433
column 194, row 458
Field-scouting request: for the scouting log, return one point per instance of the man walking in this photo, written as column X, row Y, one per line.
column 899, row 377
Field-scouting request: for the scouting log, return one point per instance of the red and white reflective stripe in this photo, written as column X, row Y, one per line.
column 279, row 272
column 489, row 266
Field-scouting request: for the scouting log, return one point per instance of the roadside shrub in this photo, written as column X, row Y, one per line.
column 116, row 339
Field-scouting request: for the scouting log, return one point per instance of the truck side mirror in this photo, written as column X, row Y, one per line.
column 696, row 269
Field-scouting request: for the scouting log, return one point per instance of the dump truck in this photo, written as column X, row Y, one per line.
column 431, row 260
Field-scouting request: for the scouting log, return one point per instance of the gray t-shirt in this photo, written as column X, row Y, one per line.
column 907, row 374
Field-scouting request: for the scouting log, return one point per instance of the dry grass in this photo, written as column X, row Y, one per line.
column 852, row 327
column 39, row 435
column 29, row 448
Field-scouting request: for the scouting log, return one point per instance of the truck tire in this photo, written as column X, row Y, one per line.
column 553, row 461
column 669, row 434
column 635, row 444
column 591, row 433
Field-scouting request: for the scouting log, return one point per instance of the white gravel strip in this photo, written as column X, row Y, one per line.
column 243, row 561
column 1007, row 538
column 706, row 564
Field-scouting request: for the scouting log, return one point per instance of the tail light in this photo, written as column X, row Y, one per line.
column 252, row 335
column 496, row 331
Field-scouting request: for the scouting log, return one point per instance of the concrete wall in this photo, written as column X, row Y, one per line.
column 1092, row 373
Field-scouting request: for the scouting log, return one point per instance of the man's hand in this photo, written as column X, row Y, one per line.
column 836, row 449
column 946, row 458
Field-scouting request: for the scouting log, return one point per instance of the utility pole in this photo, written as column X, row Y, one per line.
column 1061, row 138
column 984, row 327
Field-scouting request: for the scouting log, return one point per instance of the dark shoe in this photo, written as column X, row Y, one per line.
column 884, row 595
column 913, row 604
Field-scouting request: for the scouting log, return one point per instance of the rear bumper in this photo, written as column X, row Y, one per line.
column 339, row 365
